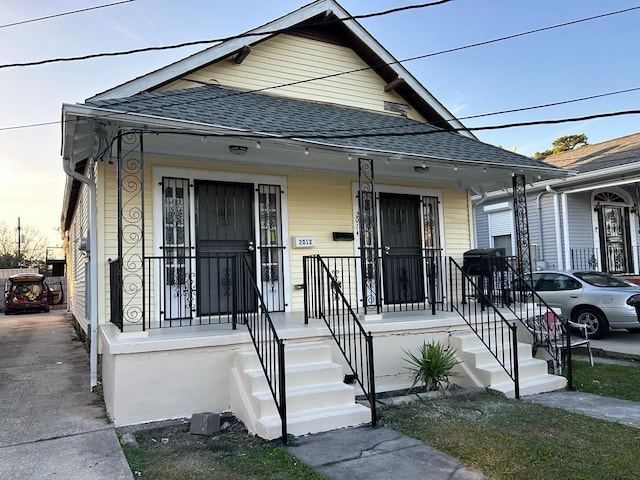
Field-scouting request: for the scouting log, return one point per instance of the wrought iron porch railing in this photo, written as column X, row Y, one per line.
column 585, row 258
column 168, row 298
column 408, row 283
column 115, row 298
column 475, row 305
column 324, row 299
column 249, row 309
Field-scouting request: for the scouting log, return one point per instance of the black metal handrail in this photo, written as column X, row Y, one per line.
column 330, row 304
column 532, row 311
column 477, row 309
column 505, row 287
column 249, row 309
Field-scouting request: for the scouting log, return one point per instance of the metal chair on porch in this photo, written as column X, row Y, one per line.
column 548, row 332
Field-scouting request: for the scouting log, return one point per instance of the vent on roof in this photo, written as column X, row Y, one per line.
column 400, row 108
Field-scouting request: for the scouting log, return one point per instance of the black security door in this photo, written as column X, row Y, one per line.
column 225, row 229
column 402, row 267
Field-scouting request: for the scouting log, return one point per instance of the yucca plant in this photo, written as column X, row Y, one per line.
column 432, row 366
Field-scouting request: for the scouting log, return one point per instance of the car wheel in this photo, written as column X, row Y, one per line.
column 596, row 322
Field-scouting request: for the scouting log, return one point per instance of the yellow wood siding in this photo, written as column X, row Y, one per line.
column 286, row 59
column 317, row 205
column 457, row 226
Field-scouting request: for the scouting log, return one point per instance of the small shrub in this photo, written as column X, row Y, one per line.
column 432, row 366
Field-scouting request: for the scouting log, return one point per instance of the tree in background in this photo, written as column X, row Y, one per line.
column 562, row 144
column 33, row 249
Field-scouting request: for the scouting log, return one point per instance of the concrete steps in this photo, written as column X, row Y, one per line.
column 317, row 398
column 484, row 370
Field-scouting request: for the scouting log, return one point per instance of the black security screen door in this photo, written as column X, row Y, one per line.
column 402, row 267
column 224, row 229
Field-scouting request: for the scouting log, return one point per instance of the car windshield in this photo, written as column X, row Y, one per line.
column 600, row 279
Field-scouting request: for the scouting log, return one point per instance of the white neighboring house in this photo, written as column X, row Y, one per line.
column 303, row 177
column 588, row 220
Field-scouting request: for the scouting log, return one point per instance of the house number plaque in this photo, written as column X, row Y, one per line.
column 304, row 242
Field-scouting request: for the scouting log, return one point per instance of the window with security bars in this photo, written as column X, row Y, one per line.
column 271, row 248
column 176, row 231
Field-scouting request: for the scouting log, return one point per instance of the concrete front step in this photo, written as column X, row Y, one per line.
column 495, row 373
column 296, row 354
column 314, row 421
column 298, row 375
column 309, row 397
column 317, row 398
column 486, row 371
column 532, row 386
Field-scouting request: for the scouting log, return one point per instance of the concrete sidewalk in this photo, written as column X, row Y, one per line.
column 51, row 425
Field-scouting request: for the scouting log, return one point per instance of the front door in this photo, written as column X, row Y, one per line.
column 402, row 265
column 224, row 230
column 614, row 238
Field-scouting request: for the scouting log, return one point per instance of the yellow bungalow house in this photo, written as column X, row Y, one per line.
column 263, row 227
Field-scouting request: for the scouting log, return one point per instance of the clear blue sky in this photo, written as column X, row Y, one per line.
column 586, row 59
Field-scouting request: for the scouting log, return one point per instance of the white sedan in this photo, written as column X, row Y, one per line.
column 598, row 300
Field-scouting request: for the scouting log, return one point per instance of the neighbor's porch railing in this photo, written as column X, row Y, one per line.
column 585, row 258
column 324, row 299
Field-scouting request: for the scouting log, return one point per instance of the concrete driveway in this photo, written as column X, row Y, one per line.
column 51, row 424
column 618, row 344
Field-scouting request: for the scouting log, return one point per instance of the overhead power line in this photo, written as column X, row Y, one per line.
column 217, row 40
column 283, row 30
column 364, row 133
column 63, row 14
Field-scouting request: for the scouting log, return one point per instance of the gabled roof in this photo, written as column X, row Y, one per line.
column 322, row 18
column 612, row 153
column 269, row 115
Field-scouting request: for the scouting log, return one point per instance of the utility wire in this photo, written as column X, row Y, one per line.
column 283, row 30
column 218, row 40
column 409, row 59
column 64, row 14
column 546, row 105
column 364, row 133
column 324, row 77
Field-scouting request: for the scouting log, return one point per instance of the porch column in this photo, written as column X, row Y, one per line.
column 368, row 229
column 131, row 230
column 522, row 224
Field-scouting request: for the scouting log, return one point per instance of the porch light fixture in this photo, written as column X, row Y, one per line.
column 421, row 168
column 258, row 145
column 484, row 169
column 237, row 149
column 349, row 157
column 306, row 151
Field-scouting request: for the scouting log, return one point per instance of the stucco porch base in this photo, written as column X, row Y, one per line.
column 174, row 372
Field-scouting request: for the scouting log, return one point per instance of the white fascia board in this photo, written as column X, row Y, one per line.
column 212, row 54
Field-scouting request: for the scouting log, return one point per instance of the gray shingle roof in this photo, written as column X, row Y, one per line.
column 612, row 153
column 292, row 118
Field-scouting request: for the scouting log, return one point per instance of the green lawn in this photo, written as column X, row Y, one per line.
column 608, row 380
column 509, row 439
column 504, row 439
